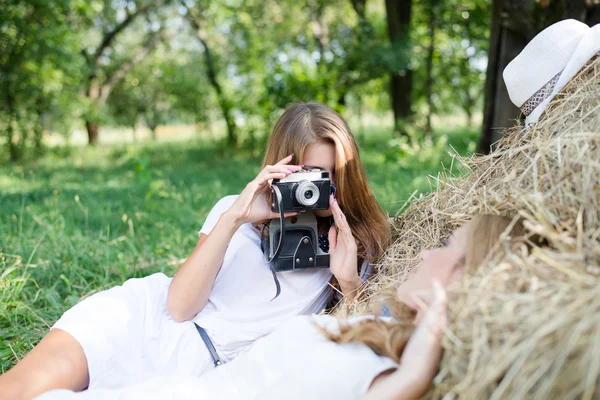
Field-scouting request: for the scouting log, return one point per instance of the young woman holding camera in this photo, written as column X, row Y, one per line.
column 149, row 327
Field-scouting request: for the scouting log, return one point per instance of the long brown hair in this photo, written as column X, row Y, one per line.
column 389, row 338
column 306, row 123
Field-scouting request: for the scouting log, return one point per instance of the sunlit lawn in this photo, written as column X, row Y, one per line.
column 78, row 221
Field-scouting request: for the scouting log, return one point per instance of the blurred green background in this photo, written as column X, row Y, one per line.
column 122, row 122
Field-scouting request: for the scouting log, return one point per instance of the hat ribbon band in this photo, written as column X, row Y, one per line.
column 538, row 97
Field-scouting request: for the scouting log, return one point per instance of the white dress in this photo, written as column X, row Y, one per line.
column 294, row 362
column 128, row 336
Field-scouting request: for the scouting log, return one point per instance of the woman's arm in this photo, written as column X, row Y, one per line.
column 420, row 359
column 191, row 286
column 393, row 385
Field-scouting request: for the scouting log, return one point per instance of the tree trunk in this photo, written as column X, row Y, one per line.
column 508, row 37
column 320, row 31
column 593, row 13
column 341, row 102
column 587, row 11
column 469, row 113
column 224, row 103
column 429, row 67
column 467, row 100
column 96, row 91
column 38, row 135
column 12, row 147
column 360, row 7
column 398, row 21
column 468, row 106
column 92, row 130
column 13, row 150
column 133, row 134
column 38, row 129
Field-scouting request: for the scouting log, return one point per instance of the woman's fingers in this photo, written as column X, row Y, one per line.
column 339, row 218
column 285, row 160
column 439, row 304
column 278, row 169
column 435, row 303
column 282, row 168
column 272, row 175
column 271, row 169
column 275, row 215
column 332, row 238
column 439, row 294
column 430, row 299
column 275, row 172
column 335, row 211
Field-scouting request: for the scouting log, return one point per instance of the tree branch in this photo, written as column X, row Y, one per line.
column 110, row 36
column 201, row 35
column 115, row 77
column 360, row 7
column 224, row 103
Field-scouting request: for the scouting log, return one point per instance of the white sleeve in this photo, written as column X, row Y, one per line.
column 213, row 216
column 324, row 370
column 296, row 362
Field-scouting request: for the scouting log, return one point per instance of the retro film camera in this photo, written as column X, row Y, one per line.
column 293, row 243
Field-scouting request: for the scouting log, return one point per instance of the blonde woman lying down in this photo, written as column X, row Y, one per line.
column 320, row 357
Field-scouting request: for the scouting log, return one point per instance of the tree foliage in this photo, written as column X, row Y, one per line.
column 230, row 64
column 39, row 66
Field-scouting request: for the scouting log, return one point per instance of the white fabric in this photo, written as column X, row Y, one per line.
column 564, row 46
column 240, row 309
column 128, row 335
column 295, row 362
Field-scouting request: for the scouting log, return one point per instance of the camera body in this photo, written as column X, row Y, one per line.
column 293, row 243
column 300, row 249
column 305, row 190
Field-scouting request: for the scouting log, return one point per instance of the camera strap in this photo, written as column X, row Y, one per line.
column 282, row 222
column 269, row 260
column 277, row 285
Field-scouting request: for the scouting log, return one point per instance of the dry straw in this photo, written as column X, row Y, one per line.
column 527, row 324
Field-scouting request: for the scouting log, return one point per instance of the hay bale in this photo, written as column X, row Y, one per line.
column 526, row 325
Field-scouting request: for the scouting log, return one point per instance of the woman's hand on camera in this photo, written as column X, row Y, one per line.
column 252, row 204
column 343, row 252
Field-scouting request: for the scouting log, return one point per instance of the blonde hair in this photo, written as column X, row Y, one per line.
column 389, row 338
column 303, row 124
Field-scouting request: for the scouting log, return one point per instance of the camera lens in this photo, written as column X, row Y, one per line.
column 307, row 193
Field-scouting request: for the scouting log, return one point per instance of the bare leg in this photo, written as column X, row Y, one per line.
column 58, row 361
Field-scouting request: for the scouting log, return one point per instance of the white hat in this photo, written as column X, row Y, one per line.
column 547, row 63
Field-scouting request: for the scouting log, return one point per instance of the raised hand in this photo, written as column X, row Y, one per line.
column 421, row 356
column 343, row 252
column 252, row 204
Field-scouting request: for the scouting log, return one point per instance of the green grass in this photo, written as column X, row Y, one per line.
column 81, row 220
